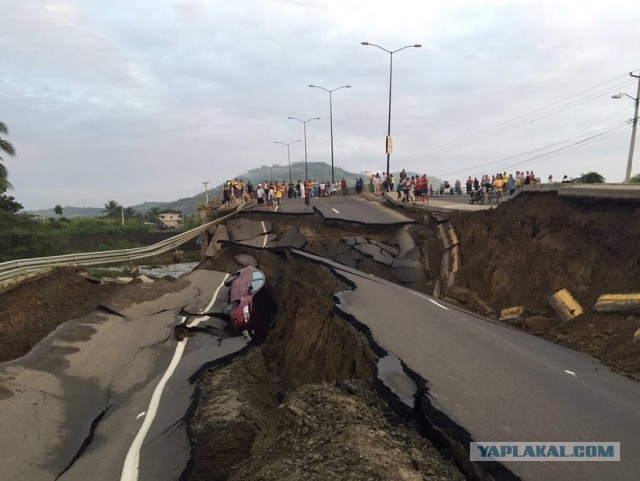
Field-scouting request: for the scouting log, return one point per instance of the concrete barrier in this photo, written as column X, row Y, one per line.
column 618, row 303
column 565, row 305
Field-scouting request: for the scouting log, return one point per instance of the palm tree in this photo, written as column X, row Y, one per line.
column 110, row 209
column 129, row 213
column 152, row 214
column 8, row 149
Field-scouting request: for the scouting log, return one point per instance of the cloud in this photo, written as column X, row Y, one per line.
column 143, row 101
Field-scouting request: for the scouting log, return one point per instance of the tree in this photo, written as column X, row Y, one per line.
column 635, row 179
column 22, row 236
column 57, row 209
column 8, row 204
column 129, row 213
column 152, row 214
column 8, row 149
column 112, row 209
column 590, row 178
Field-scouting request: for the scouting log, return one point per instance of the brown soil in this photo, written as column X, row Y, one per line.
column 302, row 405
column 530, row 247
column 34, row 309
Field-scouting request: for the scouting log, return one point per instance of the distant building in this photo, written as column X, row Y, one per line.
column 170, row 219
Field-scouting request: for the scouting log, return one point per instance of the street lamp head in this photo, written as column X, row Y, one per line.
column 347, row 86
column 417, row 45
column 364, row 43
column 311, row 85
column 616, row 96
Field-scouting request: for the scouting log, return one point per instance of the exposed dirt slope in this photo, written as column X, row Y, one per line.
column 534, row 245
column 31, row 311
column 302, row 405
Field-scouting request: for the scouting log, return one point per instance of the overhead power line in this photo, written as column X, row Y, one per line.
column 603, row 133
column 552, row 108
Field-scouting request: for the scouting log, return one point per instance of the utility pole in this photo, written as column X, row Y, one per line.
column 633, row 132
column 206, row 193
column 122, row 212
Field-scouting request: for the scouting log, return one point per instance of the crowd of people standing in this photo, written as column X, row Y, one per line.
column 270, row 194
column 410, row 189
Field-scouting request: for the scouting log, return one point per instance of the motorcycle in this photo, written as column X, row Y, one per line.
column 478, row 196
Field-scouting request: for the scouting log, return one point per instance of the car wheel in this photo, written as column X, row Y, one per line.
column 229, row 308
column 229, row 280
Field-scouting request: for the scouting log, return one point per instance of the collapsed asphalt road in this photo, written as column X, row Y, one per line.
column 457, row 377
column 478, row 380
column 302, row 405
column 106, row 397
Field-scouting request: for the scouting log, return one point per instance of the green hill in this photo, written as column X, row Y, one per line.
column 316, row 170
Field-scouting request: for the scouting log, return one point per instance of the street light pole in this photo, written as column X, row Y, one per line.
column 627, row 176
column 288, row 154
column 206, row 193
column 389, row 142
column 331, row 119
column 304, row 123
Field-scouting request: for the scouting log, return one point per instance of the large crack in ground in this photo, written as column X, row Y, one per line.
column 307, row 404
column 89, row 439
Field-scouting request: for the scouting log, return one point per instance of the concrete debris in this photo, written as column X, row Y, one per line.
column 222, row 234
column 246, row 260
column 618, row 303
column 511, row 313
column 565, row 305
column 246, row 229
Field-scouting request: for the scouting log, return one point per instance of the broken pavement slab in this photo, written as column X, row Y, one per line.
column 403, row 240
column 565, row 305
column 246, row 229
column 260, row 241
column 382, row 253
column 221, row 234
column 246, row 260
column 291, row 238
column 407, row 270
column 618, row 303
column 509, row 313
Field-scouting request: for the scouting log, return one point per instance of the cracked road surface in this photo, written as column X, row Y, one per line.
column 483, row 381
column 79, row 399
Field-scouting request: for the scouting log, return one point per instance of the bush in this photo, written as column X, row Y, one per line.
column 86, row 226
column 23, row 237
column 590, row 178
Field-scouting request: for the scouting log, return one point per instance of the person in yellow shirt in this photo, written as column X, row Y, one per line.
column 279, row 191
column 497, row 185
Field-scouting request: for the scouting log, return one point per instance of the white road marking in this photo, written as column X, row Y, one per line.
column 264, row 229
column 141, row 414
column 570, row 372
column 335, row 210
column 132, row 461
column 437, row 304
column 430, row 300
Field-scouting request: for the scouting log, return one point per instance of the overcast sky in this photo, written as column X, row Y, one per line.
column 144, row 100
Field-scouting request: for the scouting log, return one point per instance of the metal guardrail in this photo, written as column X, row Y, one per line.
column 16, row 271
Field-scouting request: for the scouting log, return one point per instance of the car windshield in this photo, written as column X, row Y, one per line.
column 257, row 280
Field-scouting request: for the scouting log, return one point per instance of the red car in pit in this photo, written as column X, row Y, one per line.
column 251, row 308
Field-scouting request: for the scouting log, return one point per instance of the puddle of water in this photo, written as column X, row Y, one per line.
column 175, row 270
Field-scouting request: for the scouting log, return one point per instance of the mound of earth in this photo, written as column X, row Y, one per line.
column 534, row 245
column 31, row 311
